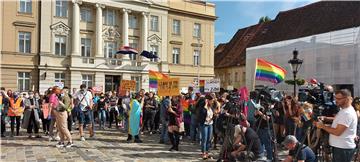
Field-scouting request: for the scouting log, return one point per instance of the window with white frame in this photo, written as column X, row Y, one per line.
column 87, row 80
column 85, row 47
column 61, row 8
column 155, row 50
column 109, row 17
column 23, row 81
column 154, row 23
column 25, row 6
column 109, row 49
column 132, row 22
column 134, row 46
column 60, row 45
column 138, row 82
column 24, row 42
column 176, row 55
column 85, row 14
column 197, row 30
column 176, row 27
column 196, row 57
column 60, row 77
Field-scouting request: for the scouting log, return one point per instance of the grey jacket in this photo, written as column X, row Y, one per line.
column 28, row 111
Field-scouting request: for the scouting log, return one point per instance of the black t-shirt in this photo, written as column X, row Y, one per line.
column 305, row 153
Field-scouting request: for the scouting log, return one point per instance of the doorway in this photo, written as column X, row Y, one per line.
column 112, row 82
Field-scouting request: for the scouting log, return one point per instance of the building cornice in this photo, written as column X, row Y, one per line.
column 24, row 24
column 177, row 11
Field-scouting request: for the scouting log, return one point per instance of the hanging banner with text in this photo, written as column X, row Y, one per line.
column 212, row 85
column 127, row 85
column 168, row 87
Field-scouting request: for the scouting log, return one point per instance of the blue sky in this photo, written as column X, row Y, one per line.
column 236, row 14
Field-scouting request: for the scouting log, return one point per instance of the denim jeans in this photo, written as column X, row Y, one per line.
column 194, row 125
column 342, row 155
column 206, row 135
column 102, row 118
column 164, row 131
column 264, row 136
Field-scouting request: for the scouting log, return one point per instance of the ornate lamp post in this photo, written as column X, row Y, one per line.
column 295, row 65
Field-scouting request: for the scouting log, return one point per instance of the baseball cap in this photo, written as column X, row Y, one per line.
column 289, row 139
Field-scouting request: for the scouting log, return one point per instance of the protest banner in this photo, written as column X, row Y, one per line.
column 97, row 88
column 127, row 85
column 212, row 85
column 168, row 87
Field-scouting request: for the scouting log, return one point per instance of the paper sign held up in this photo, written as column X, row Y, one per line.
column 168, row 87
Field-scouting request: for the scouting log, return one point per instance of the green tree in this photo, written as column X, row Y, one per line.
column 264, row 19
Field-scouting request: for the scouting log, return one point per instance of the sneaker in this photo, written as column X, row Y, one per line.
column 82, row 138
column 69, row 144
column 37, row 136
column 57, row 138
column 30, row 136
column 60, row 145
column 2, row 135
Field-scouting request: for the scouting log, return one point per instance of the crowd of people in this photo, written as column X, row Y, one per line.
column 203, row 119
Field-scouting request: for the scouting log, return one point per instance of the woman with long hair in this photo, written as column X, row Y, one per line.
column 291, row 115
column 175, row 114
column 205, row 120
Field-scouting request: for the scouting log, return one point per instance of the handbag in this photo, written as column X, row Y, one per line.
column 181, row 127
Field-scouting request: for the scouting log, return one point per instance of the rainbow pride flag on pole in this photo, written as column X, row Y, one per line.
column 154, row 76
column 268, row 71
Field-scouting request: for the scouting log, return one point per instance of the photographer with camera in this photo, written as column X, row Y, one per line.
column 263, row 121
column 298, row 151
column 343, row 129
column 247, row 145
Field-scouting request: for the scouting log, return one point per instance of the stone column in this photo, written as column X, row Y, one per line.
column 76, row 28
column 99, row 23
column 145, row 30
column 125, row 32
column 145, row 33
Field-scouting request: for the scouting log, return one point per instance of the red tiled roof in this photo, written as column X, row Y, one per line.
column 234, row 52
column 315, row 18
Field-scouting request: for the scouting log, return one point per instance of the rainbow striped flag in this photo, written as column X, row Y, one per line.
column 268, row 71
column 185, row 105
column 154, row 76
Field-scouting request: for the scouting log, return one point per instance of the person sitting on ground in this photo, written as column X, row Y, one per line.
column 298, row 151
column 247, row 144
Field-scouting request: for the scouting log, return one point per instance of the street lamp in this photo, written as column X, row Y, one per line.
column 295, row 65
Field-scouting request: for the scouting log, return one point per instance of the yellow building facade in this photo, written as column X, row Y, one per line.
column 79, row 39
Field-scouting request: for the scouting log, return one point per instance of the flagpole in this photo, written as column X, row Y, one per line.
column 253, row 85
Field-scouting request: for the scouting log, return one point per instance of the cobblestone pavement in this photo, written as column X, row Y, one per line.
column 107, row 145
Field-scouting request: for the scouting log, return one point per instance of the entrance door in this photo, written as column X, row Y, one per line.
column 112, row 82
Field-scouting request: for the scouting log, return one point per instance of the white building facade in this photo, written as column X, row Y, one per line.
column 79, row 39
column 332, row 58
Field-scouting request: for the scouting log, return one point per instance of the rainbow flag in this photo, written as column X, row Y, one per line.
column 185, row 105
column 268, row 71
column 154, row 76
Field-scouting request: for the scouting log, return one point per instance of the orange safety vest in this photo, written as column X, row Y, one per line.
column 15, row 108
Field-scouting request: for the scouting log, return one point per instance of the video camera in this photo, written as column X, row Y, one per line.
column 266, row 97
column 321, row 98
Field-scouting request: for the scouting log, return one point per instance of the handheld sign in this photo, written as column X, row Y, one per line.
column 168, row 87
column 212, row 85
column 127, row 85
